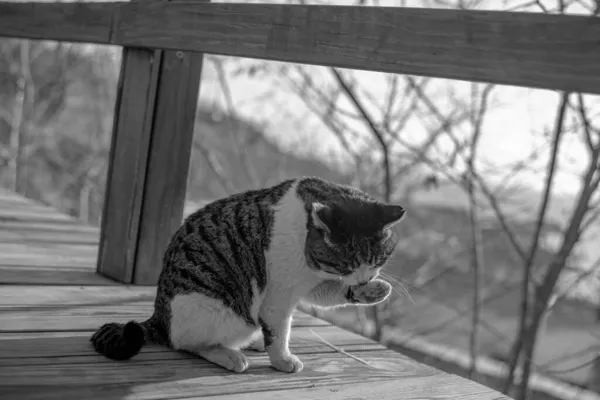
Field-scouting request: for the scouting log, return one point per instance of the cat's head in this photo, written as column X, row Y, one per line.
column 351, row 238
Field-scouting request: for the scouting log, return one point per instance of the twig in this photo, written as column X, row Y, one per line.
column 476, row 240
column 579, row 353
column 575, row 368
column 339, row 350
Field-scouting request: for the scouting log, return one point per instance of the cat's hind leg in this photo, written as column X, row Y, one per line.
column 206, row 327
column 230, row 359
column 257, row 344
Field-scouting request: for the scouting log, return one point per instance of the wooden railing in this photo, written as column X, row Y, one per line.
column 162, row 59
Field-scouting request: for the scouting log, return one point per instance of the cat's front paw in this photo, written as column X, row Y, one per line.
column 289, row 363
column 373, row 292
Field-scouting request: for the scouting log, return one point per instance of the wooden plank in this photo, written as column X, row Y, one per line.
column 134, row 111
column 434, row 387
column 15, row 350
column 19, row 233
column 64, row 308
column 168, row 165
column 46, row 255
column 41, row 296
column 40, row 261
column 90, row 317
column 193, row 377
column 524, row 49
column 70, row 22
column 29, row 212
column 43, row 238
column 558, row 52
column 51, row 250
column 22, row 275
column 49, row 227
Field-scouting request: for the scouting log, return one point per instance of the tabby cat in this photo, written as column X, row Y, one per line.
column 240, row 265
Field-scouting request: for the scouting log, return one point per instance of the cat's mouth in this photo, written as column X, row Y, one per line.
column 354, row 280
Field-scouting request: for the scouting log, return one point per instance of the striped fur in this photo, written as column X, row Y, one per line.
column 239, row 266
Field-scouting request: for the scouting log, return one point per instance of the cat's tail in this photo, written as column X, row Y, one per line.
column 120, row 341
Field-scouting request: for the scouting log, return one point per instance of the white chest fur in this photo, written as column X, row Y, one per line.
column 287, row 271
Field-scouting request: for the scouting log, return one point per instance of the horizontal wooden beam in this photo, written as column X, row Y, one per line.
column 560, row 52
column 69, row 22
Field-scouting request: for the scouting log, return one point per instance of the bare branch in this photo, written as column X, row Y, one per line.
column 391, row 99
column 541, row 5
column 477, row 258
column 374, row 130
column 525, row 291
column 586, row 123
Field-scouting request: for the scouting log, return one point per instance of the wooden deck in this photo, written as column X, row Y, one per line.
column 51, row 300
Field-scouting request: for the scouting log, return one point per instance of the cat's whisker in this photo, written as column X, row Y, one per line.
column 391, row 278
column 405, row 286
column 399, row 280
column 396, row 290
column 399, row 283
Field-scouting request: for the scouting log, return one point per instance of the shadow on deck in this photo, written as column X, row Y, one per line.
column 51, row 300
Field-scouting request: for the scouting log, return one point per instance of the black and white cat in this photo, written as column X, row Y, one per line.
column 239, row 266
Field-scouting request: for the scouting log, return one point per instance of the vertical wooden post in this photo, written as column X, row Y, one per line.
column 149, row 161
column 167, row 171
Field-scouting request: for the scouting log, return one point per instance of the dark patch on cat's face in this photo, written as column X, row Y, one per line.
column 351, row 238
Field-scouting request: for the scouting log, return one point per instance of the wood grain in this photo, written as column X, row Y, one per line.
column 90, row 317
column 72, row 308
column 71, row 22
column 437, row 387
column 523, row 49
column 132, row 131
column 191, row 377
column 38, row 244
column 17, row 350
column 23, row 275
column 50, row 227
column 169, row 160
column 37, row 296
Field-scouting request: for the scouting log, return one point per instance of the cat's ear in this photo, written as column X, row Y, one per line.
column 322, row 217
column 392, row 214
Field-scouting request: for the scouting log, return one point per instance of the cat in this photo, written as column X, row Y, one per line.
column 236, row 269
